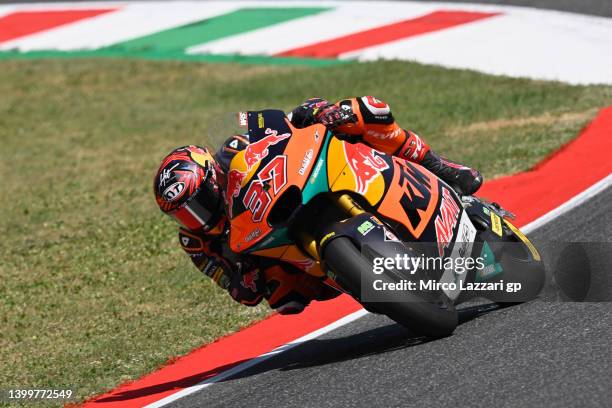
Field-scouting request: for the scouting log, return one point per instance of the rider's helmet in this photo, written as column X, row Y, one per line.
column 187, row 187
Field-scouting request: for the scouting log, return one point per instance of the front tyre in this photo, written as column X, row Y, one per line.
column 353, row 270
column 521, row 263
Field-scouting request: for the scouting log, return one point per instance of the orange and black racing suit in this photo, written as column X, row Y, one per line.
column 250, row 279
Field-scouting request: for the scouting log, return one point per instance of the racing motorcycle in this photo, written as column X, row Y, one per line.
column 331, row 208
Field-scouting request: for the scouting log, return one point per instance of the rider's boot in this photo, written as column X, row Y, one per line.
column 464, row 180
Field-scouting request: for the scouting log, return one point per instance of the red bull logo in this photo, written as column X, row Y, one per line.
column 258, row 150
column 253, row 153
column 235, row 179
column 249, row 280
column 366, row 165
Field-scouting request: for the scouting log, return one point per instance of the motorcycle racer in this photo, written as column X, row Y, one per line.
column 190, row 182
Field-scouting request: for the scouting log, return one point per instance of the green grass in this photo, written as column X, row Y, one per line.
column 94, row 289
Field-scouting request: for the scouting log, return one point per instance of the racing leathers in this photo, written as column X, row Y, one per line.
column 249, row 279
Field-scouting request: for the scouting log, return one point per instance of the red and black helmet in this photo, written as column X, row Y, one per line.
column 187, row 188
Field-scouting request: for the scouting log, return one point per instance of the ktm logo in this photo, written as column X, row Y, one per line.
column 174, row 191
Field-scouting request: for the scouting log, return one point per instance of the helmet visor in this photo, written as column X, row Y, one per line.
column 201, row 212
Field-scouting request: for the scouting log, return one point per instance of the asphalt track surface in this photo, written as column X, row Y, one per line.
column 549, row 352
column 593, row 7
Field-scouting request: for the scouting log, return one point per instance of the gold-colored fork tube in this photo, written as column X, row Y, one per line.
column 349, row 206
column 346, row 203
column 310, row 245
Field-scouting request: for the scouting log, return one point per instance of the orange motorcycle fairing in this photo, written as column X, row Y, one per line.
column 280, row 157
column 415, row 190
column 292, row 255
column 358, row 168
column 398, row 189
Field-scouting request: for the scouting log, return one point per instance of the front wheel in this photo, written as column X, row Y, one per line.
column 521, row 264
column 354, row 271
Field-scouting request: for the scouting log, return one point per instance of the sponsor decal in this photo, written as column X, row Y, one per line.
column 254, row 152
column 390, row 236
column 242, row 119
column 384, row 135
column 490, row 268
column 415, row 188
column 414, row 147
column 496, row 224
column 235, row 179
column 305, row 162
column 252, row 235
column 165, row 175
column 522, row 237
column 376, row 106
column 190, row 243
column 326, row 237
column 266, row 241
column 466, row 234
column 249, row 280
column 316, row 171
column 463, row 240
column 365, row 164
column 365, row 227
column 260, row 120
column 173, row 192
column 486, row 210
column 446, row 220
column 454, row 165
column 376, row 220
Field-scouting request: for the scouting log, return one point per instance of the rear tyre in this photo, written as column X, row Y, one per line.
column 353, row 270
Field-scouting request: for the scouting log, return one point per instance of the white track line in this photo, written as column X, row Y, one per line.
column 569, row 204
column 244, row 366
column 532, row 226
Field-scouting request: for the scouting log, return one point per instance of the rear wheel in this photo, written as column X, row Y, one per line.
column 353, row 271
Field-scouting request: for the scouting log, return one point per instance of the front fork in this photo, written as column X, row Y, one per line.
column 348, row 206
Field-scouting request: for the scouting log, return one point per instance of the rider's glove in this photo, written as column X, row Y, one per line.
column 247, row 288
column 215, row 271
column 333, row 116
column 318, row 110
column 243, row 282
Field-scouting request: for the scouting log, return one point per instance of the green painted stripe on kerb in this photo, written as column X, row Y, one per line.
column 237, row 22
column 173, row 56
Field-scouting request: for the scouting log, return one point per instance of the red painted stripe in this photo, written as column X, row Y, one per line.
column 22, row 23
column 435, row 21
column 574, row 168
column 225, row 353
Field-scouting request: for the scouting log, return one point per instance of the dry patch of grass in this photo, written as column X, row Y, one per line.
column 545, row 119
